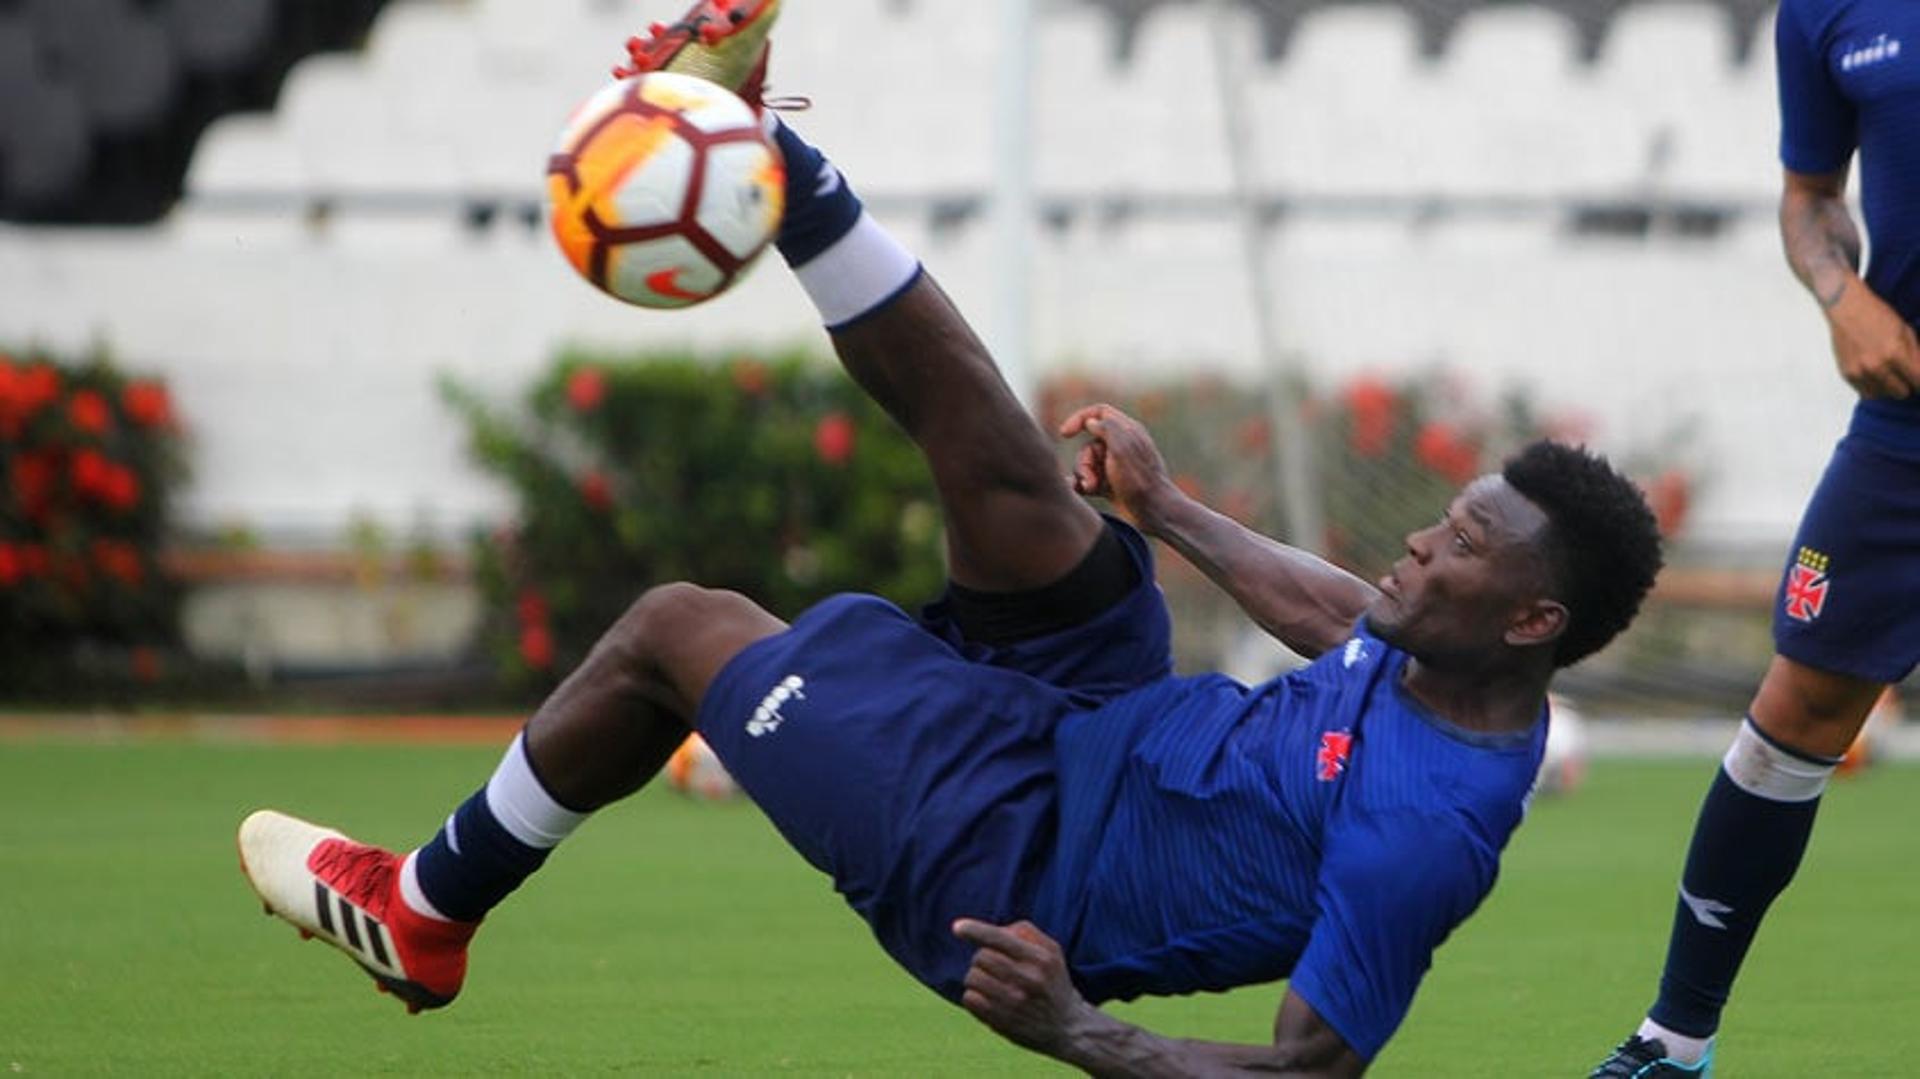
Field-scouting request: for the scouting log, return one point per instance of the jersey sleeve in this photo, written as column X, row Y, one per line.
column 1389, row 892
column 1818, row 127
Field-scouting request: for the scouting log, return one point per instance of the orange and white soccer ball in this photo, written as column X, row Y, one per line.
column 695, row 771
column 663, row 189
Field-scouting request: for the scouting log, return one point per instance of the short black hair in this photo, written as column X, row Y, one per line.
column 1601, row 542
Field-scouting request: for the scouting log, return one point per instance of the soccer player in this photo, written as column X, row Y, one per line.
column 1847, row 621
column 1030, row 810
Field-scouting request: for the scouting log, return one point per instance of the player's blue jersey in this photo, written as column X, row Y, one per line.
column 1849, row 76
column 1322, row 827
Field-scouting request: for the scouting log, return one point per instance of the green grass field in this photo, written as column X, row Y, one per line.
column 673, row 938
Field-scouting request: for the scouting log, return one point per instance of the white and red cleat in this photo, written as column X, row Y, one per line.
column 721, row 41
column 348, row 894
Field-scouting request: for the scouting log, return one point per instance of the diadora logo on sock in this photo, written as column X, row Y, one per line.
column 767, row 718
column 1705, row 911
column 1878, row 51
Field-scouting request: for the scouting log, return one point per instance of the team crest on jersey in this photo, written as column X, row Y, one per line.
column 1330, row 763
column 1806, row 591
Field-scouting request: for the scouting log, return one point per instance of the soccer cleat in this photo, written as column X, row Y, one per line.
column 348, row 894
column 1646, row 1058
column 721, row 41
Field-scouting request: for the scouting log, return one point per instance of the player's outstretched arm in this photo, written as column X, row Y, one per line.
column 1874, row 347
column 1306, row 602
column 1018, row 985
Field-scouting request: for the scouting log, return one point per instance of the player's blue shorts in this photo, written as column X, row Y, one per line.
column 917, row 768
column 1849, row 602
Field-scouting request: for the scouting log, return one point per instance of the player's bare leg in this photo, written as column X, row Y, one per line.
column 1810, row 710
column 607, row 730
column 1013, row 523
column 613, row 723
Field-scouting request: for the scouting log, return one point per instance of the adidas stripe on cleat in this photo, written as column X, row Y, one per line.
column 348, row 894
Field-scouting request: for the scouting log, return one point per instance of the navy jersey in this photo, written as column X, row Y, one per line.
column 1849, row 75
column 1322, row 827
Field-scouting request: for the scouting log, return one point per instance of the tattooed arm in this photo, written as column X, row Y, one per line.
column 1875, row 349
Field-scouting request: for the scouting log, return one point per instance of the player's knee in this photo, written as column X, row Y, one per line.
column 661, row 615
column 669, row 619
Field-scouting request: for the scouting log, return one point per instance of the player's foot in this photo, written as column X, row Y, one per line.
column 1646, row 1058
column 348, row 894
column 722, row 41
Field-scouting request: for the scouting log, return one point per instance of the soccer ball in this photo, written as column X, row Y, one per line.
column 663, row 189
column 695, row 771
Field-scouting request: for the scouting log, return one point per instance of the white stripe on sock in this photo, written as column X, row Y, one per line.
column 523, row 807
column 410, row 893
column 1764, row 770
column 862, row 270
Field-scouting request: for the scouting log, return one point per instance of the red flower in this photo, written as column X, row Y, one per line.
column 1670, row 496
column 1191, row 486
column 36, row 388
column 147, row 404
column 750, row 377
column 119, row 560
column 597, row 490
column 1439, row 447
column 33, row 478
column 1151, row 405
column 1254, row 435
column 586, row 389
column 1371, row 403
column 10, row 568
column 536, row 647
column 833, row 438
column 146, row 664
column 33, row 560
column 531, row 608
column 90, row 469
column 89, row 414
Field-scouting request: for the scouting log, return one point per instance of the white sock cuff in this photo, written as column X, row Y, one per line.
column 1766, row 770
column 1681, row 1047
column 410, row 893
column 860, row 272
column 522, row 805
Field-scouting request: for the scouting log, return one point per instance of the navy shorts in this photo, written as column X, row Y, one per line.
column 916, row 768
column 1849, row 602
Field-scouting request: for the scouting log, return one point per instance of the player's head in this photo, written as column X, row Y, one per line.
column 1553, row 552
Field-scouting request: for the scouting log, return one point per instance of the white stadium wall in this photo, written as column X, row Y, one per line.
column 304, row 348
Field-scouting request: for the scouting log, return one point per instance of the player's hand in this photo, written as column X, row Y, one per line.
column 1018, row 985
column 1876, row 350
column 1119, row 462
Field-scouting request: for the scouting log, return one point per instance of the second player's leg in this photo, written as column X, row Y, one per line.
column 1812, row 711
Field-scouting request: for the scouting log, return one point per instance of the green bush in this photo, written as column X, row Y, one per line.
column 776, row 478
column 89, row 458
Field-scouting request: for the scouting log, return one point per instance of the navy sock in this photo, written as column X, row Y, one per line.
column 473, row 862
column 1745, row 850
column 821, row 208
